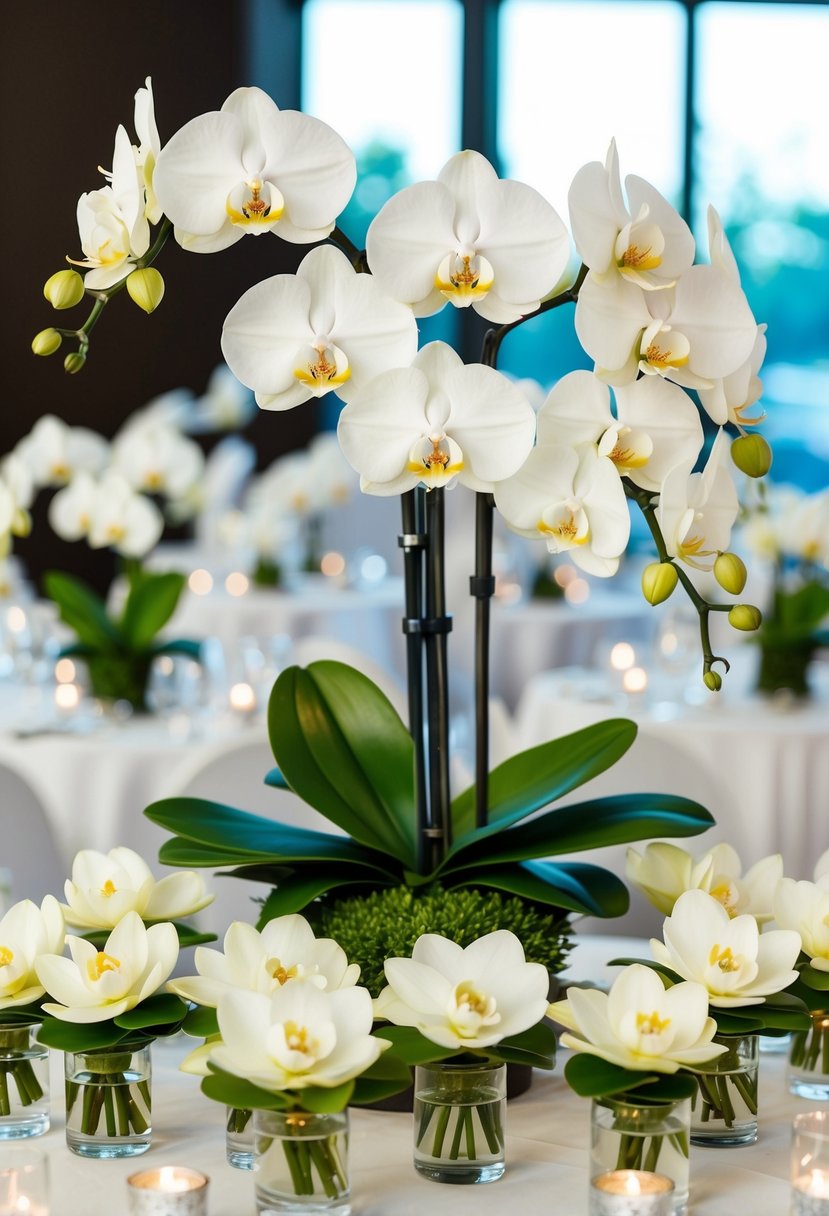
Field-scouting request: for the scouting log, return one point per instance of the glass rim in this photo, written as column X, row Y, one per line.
column 811, row 1123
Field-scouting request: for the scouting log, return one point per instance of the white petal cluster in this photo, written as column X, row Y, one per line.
column 804, row 908
column 26, row 933
column 696, row 511
column 55, row 453
column 297, row 1037
column 284, row 952
column 112, row 223
column 154, row 457
column 664, row 871
column 640, row 1024
column 736, row 964
column 96, row 985
column 105, row 887
column 468, row 997
column 790, row 524
column 107, row 513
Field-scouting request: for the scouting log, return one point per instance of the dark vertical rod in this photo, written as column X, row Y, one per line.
column 437, row 677
column 413, row 552
column 688, row 152
column 483, row 585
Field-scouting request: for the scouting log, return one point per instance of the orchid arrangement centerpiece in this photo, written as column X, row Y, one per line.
column 416, row 422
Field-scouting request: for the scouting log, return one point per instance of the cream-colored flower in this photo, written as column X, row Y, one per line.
column 736, row 965
column 95, row 985
column 804, row 907
column 663, row 871
column 26, row 933
column 640, row 1024
column 286, row 951
column 104, row 887
column 752, row 892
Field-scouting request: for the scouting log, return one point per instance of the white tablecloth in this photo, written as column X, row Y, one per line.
column 547, row 1138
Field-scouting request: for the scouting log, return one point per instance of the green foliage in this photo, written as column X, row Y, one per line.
column 156, row 1017
column 592, row 1077
column 386, row 924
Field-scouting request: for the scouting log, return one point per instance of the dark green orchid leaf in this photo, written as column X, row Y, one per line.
column 589, row 890
column 514, row 1055
column 667, row 975
column 342, row 747
column 387, row 1076
column 201, row 1022
column 325, row 1101
column 535, row 778
column 586, row 825
column 593, row 1077
column 23, row 1015
column 234, row 1091
column 190, row 648
column 295, row 893
column 190, row 854
column 83, row 1036
column 151, row 602
column 535, row 1046
column 411, row 1046
column 82, row 610
column 817, row 980
column 188, row 936
column 274, row 778
column 738, row 1021
column 163, row 1009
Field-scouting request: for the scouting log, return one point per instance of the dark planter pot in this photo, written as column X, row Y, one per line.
column 785, row 668
column 519, row 1080
column 120, row 678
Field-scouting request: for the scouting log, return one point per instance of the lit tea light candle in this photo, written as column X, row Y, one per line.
column 67, row 698
column 810, row 1194
column 809, row 1163
column 577, row 591
column 243, row 699
column 172, row 1190
column 635, row 679
column 200, row 582
column 237, row 584
column 622, row 656
column 332, row 565
column 65, row 671
column 631, row 1193
column 24, row 1187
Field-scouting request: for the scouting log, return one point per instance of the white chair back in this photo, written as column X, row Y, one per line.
column 30, row 852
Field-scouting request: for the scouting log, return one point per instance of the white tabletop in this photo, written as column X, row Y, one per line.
column 547, row 1138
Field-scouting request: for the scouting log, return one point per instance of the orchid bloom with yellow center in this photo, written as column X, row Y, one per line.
column 663, row 871
column 112, row 224
column 735, row 963
column 26, row 933
column 105, row 887
column 696, row 511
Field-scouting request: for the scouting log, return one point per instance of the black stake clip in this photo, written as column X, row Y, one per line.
column 427, row 625
column 482, row 586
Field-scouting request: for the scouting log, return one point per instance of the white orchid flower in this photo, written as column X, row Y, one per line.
column 735, row 962
column 226, row 405
column 284, row 488
column 640, row 1024
column 468, row 997
column 804, row 531
column 95, row 985
column 732, row 396
column 156, row 458
column 104, row 887
column 572, row 498
column 804, row 907
column 696, row 511
column 111, row 222
column 149, row 146
column 664, row 871
column 27, row 932
column 299, row 1036
column 285, row 951
column 251, row 168
column 123, row 519
column 55, row 452
column 740, row 893
column 436, row 421
column 332, row 478
column 656, row 424
column 71, row 509
column 469, row 238
column 293, row 337
column 647, row 243
column 16, row 495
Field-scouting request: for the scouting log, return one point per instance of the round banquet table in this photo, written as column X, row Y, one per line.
column 547, row 1138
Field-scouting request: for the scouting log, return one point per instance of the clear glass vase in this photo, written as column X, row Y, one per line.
column 301, row 1162
column 24, row 1083
column 459, row 1112
column 239, row 1138
column 724, row 1108
column 627, row 1133
column 809, row 1059
column 108, row 1102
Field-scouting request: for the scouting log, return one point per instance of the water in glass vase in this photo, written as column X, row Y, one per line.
column 301, row 1163
column 459, row 1122
column 239, row 1138
column 108, row 1103
column 24, row 1083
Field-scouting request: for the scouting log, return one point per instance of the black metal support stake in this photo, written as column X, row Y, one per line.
column 437, row 626
column 482, row 586
column 413, row 543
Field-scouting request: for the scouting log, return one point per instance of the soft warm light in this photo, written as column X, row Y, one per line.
column 669, row 643
column 200, row 582
column 507, row 592
column 652, row 1189
column 332, row 564
column 564, row 575
column 166, row 666
column 67, row 696
column 170, row 1180
column 577, row 591
column 372, row 568
column 16, row 619
column 242, row 698
column 172, row 1190
column 65, row 671
column 635, row 679
column 815, row 1184
column 622, row 656
column 237, row 583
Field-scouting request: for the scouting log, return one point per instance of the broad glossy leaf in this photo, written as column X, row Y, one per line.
column 738, row 1021
column 535, row 1046
column 411, row 1046
column 148, row 607
column 86, row 1036
column 534, row 778
column 575, row 885
column 186, row 646
column 201, row 1022
column 303, row 887
column 235, row 1091
column 342, row 747
column 669, row 977
column 325, row 1101
column 387, row 1076
column 588, row 825
column 82, row 610
column 817, row 980
column 190, row 854
column 159, row 1010
column 592, row 1077
column 274, row 778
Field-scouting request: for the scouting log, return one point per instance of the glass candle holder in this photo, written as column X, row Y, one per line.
column 631, row 1193
column 24, row 1083
column 172, row 1190
column 24, row 1182
column 808, row 1072
column 810, row 1164
column 633, row 1137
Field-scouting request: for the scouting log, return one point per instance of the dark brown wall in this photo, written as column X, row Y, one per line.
column 70, row 72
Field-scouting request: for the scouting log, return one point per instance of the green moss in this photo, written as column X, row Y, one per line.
column 386, row 924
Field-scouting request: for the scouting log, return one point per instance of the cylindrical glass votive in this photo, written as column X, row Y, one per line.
column 631, row 1136
column 810, row 1164
column 239, row 1138
column 809, row 1059
column 24, row 1182
column 24, row 1083
column 631, row 1193
column 724, row 1109
column 459, row 1114
column 172, row 1190
column 301, row 1163
column 108, row 1102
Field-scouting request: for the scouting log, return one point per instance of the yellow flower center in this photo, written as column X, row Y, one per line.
column 255, row 207
column 109, row 888
column 635, row 258
column 61, row 471
column 279, row 973
column 6, row 956
column 115, row 532
column 297, row 1037
column 463, row 277
column 469, row 998
column 651, row 1023
column 154, row 480
column 692, row 546
column 437, row 456
column 658, row 356
column 100, row 964
column 726, row 895
column 245, row 205
column 724, row 959
column 566, row 529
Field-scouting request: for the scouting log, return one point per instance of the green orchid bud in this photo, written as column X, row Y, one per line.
column 64, row 289
column 74, row 362
column 46, row 342
column 730, row 572
column 752, row 455
column 21, row 523
column 146, row 288
column 712, row 680
column 658, row 581
column 746, row 617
